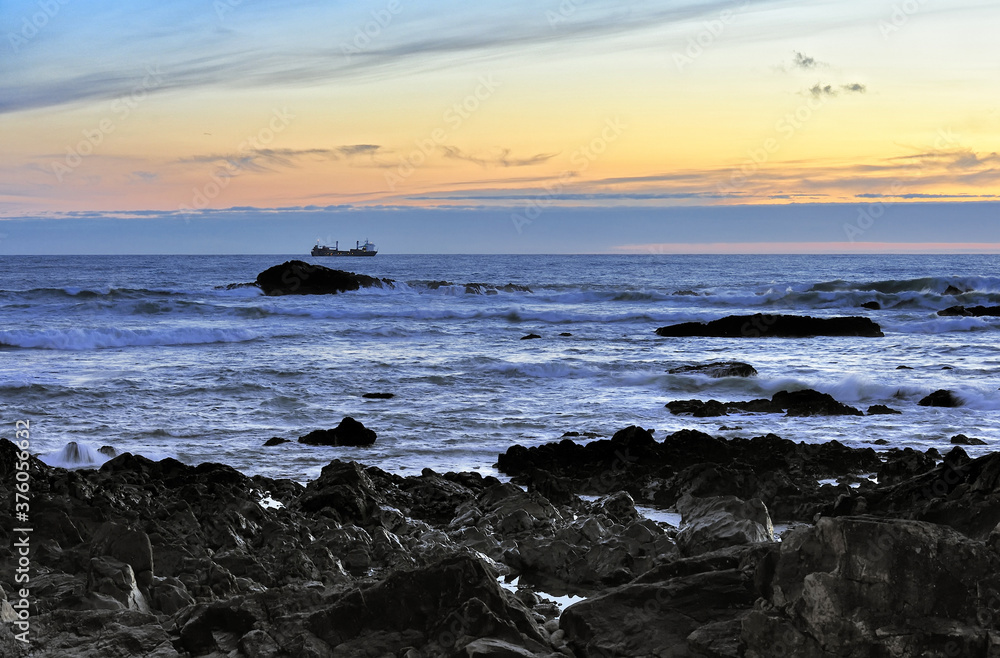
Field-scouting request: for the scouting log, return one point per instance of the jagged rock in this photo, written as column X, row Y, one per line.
column 855, row 586
column 697, row 408
column 530, row 337
column 787, row 326
column 348, row 433
column 904, row 464
column 112, row 584
column 296, row 277
column 882, row 410
column 441, row 608
column 718, row 369
column 709, row 524
column 941, row 398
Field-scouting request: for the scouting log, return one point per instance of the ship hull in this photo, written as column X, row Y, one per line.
column 343, row 254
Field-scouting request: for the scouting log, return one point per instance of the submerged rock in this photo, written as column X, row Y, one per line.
column 941, row 398
column 296, row 277
column 718, row 369
column 963, row 440
column 806, row 402
column 971, row 311
column 787, row 326
column 530, row 337
column 882, row 410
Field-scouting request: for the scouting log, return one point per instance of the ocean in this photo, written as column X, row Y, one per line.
column 152, row 355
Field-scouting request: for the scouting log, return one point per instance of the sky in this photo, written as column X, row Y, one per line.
column 560, row 126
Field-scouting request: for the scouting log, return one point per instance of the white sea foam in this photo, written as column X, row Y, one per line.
column 76, row 454
column 103, row 337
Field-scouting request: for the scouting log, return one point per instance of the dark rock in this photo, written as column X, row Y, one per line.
column 718, row 369
column 903, row 368
column 941, row 398
column 441, row 608
column 530, row 337
column 904, row 464
column 565, row 334
column 378, row 396
column 855, row 586
column 971, row 311
column 882, row 410
column 296, row 277
column 954, row 290
column 812, row 403
column 963, row 440
column 490, row 289
column 712, row 523
column 697, row 408
column 657, row 619
column 795, row 403
column 348, row 433
column 789, row 326
column 872, row 306
column 275, row 441
column 108, row 451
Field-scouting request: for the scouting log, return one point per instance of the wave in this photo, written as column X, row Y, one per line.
column 104, row 337
column 78, row 455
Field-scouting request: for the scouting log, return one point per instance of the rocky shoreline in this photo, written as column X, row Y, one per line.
column 892, row 553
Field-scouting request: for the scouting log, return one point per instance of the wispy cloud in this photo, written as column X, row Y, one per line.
column 501, row 159
column 805, row 62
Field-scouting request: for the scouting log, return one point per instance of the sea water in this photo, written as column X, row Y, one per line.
column 152, row 355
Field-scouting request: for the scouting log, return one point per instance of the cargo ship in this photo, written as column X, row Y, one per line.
column 366, row 249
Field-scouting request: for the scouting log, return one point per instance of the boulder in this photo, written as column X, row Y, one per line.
column 872, row 306
column 709, row 524
column 441, row 608
column 941, row 398
column 275, row 441
column 296, row 277
column 806, row 402
column 348, row 433
column 530, row 337
column 963, row 440
column 659, row 618
column 857, row 586
column 786, row 326
column 717, row 369
column 378, row 396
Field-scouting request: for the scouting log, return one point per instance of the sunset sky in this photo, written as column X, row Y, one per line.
column 446, row 126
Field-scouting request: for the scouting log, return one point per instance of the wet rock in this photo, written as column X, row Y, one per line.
column 378, row 396
column 108, row 451
column 904, row 464
column 530, row 337
column 872, row 306
column 718, row 369
column 697, row 408
column 348, row 433
column 296, row 277
column 275, row 441
column 954, row 290
column 903, row 368
column 963, row 440
column 882, row 410
column 856, row 586
column 941, row 398
column 712, row 523
column 788, row 326
column 971, row 311
column 806, row 402
column 565, row 334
